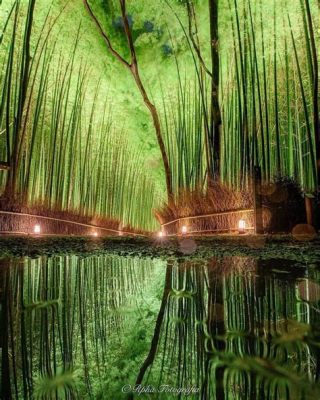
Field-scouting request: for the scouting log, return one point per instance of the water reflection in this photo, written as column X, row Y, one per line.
column 230, row 328
column 236, row 332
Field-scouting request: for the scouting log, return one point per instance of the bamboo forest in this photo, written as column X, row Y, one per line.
column 160, row 199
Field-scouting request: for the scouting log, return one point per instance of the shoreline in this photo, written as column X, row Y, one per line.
column 264, row 247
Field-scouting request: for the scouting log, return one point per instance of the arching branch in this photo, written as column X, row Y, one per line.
column 192, row 21
column 128, row 32
column 104, row 35
column 133, row 67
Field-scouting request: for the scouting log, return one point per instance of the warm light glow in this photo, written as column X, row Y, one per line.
column 242, row 226
column 95, row 234
column 37, row 229
column 161, row 234
column 184, row 229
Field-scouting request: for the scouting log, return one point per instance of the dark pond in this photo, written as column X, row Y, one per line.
column 106, row 327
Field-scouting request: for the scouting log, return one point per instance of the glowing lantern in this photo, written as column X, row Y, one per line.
column 184, row 230
column 161, row 234
column 95, row 234
column 37, row 229
column 242, row 226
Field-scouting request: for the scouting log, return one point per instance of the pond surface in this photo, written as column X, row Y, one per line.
column 109, row 327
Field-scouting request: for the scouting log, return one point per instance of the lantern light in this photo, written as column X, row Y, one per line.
column 242, row 226
column 184, row 230
column 95, row 234
column 160, row 234
column 37, row 229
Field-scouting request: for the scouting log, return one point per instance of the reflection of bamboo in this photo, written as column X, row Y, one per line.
column 182, row 339
column 224, row 354
column 82, row 323
column 215, row 328
column 188, row 310
column 59, row 310
column 156, row 336
column 304, row 317
column 5, row 387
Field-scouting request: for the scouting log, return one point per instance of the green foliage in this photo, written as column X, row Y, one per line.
column 68, row 154
column 58, row 385
column 266, row 95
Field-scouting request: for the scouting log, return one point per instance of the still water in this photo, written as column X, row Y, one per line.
column 106, row 327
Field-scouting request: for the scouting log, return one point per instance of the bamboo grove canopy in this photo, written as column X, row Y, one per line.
column 76, row 132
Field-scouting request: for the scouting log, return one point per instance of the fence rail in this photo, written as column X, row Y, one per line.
column 225, row 220
column 68, row 222
column 209, row 215
column 222, row 222
column 211, row 232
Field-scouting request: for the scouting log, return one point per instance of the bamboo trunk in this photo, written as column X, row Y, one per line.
column 215, row 120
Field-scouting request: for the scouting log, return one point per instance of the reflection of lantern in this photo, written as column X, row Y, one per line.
column 37, row 229
column 184, row 230
column 242, row 226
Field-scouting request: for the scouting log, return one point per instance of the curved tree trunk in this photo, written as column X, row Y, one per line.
column 133, row 67
column 156, row 123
